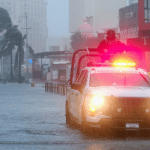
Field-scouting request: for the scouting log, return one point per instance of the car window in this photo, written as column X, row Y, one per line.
column 85, row 78
column 81, row 77
column 118, row 79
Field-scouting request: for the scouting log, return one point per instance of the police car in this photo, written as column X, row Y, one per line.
column 112, row 95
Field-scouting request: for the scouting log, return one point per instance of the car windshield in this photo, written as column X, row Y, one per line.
column 118, row 79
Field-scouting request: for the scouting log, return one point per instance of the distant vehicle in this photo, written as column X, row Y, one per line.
column 108, row 95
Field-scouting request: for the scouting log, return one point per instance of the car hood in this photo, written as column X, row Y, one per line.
column 122, row 91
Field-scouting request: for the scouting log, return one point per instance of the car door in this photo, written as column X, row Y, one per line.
column 79, row 95
column 75, row 93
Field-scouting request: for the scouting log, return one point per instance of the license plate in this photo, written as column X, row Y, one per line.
column 132, row 125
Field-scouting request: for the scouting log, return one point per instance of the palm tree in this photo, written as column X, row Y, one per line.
column 11, row 38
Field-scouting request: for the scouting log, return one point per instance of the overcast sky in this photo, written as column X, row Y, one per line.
column 58, row 17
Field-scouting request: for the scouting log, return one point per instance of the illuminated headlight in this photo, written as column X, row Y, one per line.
column 97, row 100
column 94, row 102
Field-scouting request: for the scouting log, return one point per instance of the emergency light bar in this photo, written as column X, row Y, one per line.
column 122, row 64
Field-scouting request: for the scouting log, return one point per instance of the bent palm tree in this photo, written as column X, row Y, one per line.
column 11, row 38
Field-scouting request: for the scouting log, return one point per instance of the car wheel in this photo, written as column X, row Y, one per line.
column 68, row 120
column 67, row 117
column 84, row 126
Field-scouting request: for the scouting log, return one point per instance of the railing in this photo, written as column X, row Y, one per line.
column 56, row 87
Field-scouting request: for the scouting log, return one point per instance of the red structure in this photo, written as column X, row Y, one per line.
column 144, row 20
column 134, row 23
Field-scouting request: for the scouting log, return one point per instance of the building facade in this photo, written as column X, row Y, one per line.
column 144, row 18
column 128, row 22
column 134, row 25
column 100, row 14
column 35, row 10
column 134, row 21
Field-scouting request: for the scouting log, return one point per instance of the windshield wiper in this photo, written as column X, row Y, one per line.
column 145, row 79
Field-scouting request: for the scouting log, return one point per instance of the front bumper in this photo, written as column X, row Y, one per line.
column 119, row 112
column 120, row 124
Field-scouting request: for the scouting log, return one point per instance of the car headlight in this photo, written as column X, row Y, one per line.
column 94, row 102
column 97, row 100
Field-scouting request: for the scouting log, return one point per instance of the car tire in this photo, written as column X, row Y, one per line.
column 84, row 126
column 68, row 119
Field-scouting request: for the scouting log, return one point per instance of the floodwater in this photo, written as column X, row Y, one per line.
column 32, row 119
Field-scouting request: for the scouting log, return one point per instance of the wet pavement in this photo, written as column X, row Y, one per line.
column 31, row 119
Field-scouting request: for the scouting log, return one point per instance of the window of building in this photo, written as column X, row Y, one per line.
column 147, row 10
column 132, row 2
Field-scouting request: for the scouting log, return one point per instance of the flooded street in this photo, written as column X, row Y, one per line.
column 30, row 118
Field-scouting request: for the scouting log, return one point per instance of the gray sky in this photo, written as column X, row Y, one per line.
column 58, row 17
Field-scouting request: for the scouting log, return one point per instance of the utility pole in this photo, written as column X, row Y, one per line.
column 2, row 67
column 20, row 57
column 27, row 50
column 93, row 17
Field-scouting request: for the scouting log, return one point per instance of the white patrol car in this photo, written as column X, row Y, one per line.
column 110, row 97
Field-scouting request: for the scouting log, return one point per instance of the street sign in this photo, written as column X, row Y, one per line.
column 30, row 61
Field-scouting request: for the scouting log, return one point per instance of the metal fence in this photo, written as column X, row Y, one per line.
column 56, row 87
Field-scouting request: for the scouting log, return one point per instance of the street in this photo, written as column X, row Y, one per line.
column 32, row 119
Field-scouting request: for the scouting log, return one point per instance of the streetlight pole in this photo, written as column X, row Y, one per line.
column 93, row 17
column 2, row 67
